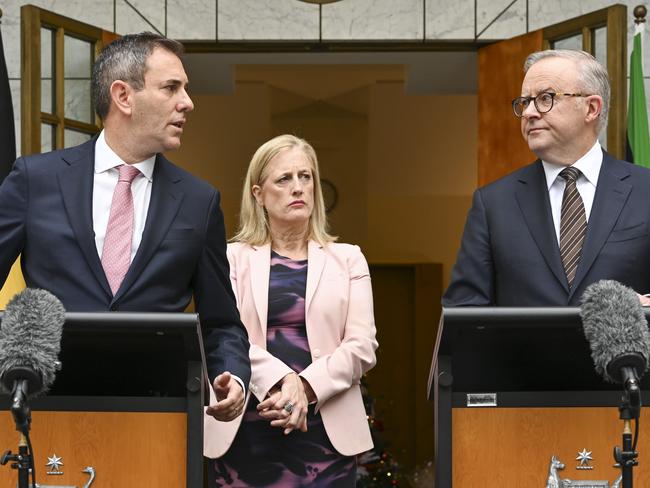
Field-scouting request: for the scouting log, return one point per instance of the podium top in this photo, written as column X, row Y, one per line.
column 127, row 353
column 516, row 349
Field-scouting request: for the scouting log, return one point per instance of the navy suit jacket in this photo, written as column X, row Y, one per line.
column 46, row 216
column 509, row 254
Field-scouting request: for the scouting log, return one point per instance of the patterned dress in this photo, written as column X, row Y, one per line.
column 261, row 455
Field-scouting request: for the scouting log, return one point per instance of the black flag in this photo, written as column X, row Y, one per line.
column 7, row 130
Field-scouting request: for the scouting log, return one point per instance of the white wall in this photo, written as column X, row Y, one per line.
column 227, row 20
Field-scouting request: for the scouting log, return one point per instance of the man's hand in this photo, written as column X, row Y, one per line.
column 645, row 300
column 230, row 398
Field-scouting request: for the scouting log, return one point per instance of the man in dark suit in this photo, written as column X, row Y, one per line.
column 113, row 225
column 541, row 235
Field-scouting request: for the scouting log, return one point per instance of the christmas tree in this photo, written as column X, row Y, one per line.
column 377, row 468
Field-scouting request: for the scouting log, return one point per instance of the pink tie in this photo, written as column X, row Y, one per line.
column 116, row 255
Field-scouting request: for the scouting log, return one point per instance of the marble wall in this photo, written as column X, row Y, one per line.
column 291, row 20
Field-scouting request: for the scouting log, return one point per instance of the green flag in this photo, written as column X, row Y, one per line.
column 637, row 115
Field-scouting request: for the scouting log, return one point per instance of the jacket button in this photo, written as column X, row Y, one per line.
column 316, row 353
column 114, row 307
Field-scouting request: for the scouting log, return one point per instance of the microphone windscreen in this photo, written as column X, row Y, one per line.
column 30, row 336
column 614, row 324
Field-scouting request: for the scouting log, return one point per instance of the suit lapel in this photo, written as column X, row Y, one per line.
column 611, row 194
column 259, row 268
column 165, row 201
column 316, row 263
column 76, row 183
column 533, row 200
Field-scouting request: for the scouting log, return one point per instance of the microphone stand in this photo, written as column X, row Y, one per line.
column 22, row 461
column 629, row 409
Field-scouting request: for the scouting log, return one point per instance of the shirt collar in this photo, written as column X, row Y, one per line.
column 589, row 165
column 105, row 159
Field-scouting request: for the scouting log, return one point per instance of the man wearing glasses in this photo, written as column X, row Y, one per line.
column 541, row 235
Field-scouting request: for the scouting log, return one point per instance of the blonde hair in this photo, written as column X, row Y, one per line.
column 253, row 220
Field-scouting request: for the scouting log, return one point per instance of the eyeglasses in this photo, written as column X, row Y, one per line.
column 543, row 102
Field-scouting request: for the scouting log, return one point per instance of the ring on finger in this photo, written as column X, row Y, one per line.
column 288, row 407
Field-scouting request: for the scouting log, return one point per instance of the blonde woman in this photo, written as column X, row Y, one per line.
column 306, row 302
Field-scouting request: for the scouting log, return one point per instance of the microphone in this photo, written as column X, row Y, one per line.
column 30, row 341
column 615, row 326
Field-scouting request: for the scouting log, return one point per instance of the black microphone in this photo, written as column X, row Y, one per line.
column 615, row 326
column 30, row 341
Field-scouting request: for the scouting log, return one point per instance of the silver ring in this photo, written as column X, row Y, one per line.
column 288, row 407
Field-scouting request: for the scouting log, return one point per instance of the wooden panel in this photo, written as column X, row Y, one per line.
column 406, row 314
column 617, row 69
column 428, row 287
column 127, row 449
column 30, row 76
column 497, row 447
column 502, row 149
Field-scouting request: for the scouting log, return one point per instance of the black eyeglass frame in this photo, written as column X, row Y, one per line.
column 520, row 101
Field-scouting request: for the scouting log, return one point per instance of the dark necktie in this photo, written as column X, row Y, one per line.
column 573, row 224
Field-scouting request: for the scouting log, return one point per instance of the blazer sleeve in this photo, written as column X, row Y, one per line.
column 226, row 340
column 334, row 373
column 14, row 194
column 266, row 369
column 472, row 278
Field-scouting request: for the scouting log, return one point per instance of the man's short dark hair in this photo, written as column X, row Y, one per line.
column 125, row 59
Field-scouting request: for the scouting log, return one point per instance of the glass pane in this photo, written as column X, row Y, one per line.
column 74, row 138
column 574, row 43
column 600, row 45
column 77, row 100
column 600, row 53
column 47, row 62
column 78, row 59
column 47, row 137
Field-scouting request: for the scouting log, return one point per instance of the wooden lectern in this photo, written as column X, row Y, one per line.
column 128, row 403
column 513, row 387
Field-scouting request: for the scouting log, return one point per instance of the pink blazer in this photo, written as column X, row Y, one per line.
column 340, row 329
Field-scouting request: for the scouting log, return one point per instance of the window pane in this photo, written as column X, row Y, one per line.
column 77, row 100
column 78, row 60
column 600, row 45
column 47, row 137
column 600, row 53
column 74, row 138
column 47, row 62
column 573, row 43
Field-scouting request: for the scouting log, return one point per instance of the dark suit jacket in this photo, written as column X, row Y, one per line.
column 46, row 214
column 509, row 253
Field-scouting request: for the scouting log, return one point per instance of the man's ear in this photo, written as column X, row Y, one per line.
column 122, row 96
column 594, row 107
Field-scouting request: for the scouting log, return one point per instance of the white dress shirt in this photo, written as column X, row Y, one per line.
column 105, row 181
column 589, row 166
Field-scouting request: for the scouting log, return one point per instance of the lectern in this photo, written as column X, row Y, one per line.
column 513, row 387
column 126, row 408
